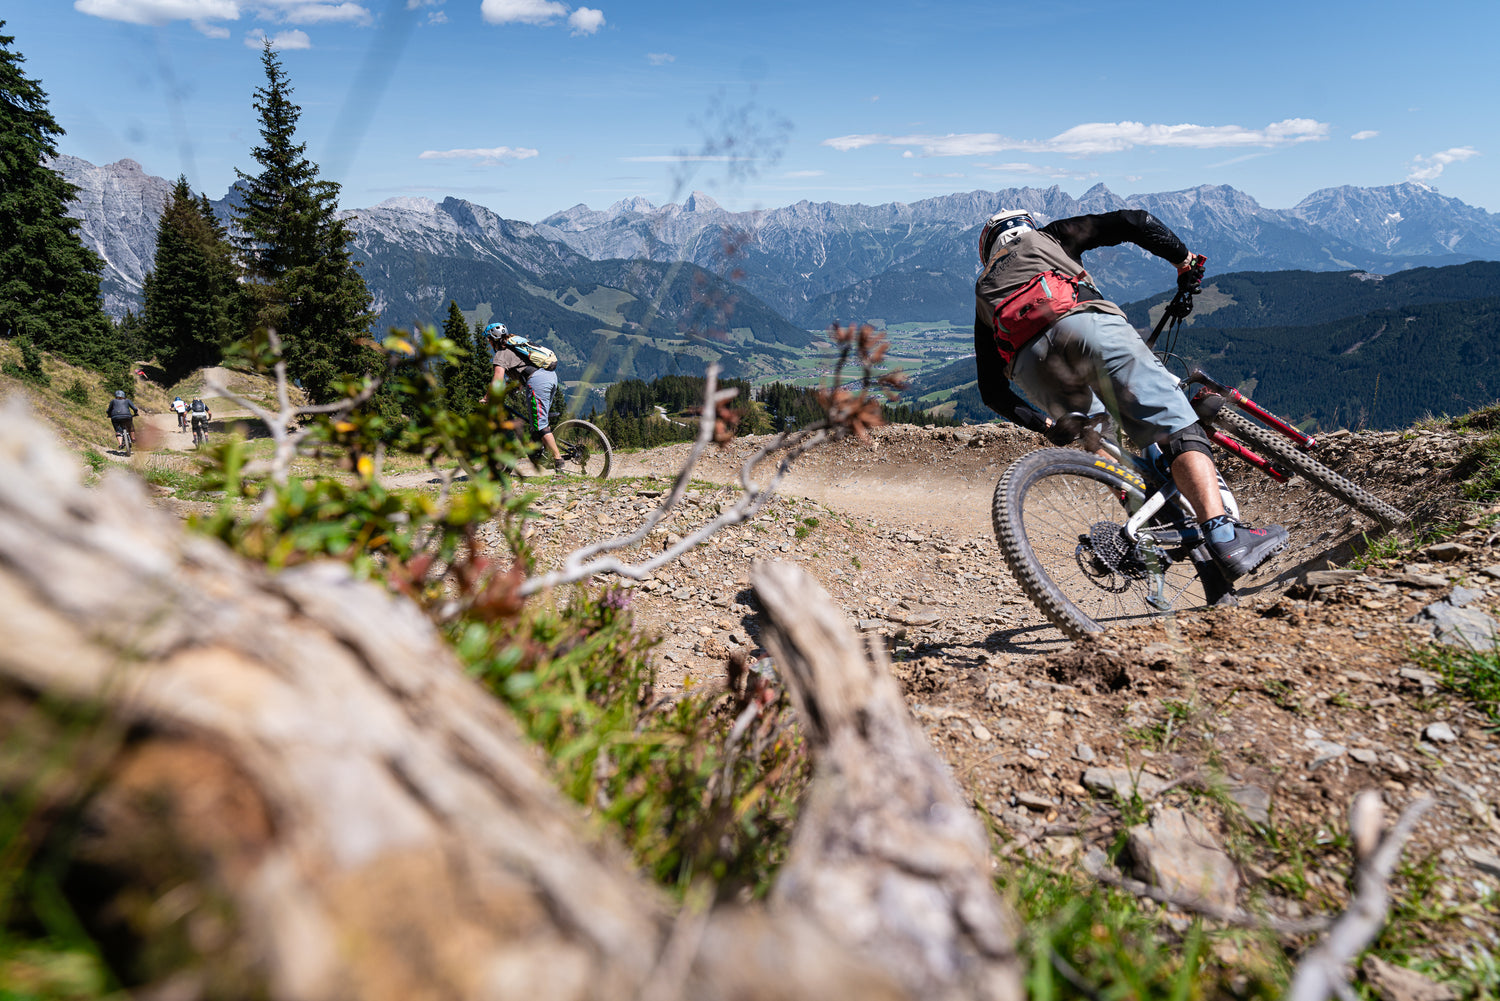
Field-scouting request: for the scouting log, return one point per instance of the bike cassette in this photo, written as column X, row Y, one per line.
column 1103, row 557
column 1107, row 552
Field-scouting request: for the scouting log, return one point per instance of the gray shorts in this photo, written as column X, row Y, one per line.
column 1090, row 363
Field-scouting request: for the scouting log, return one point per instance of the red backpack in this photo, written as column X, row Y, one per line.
column 1037, row 305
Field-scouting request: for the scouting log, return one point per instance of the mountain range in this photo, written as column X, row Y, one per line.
column 626, row 287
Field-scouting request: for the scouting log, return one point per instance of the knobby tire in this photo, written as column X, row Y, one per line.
column 1284, row 453
column 1044, row 508
column 594, row 456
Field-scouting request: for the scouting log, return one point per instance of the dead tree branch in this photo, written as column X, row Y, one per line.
column 1322, row 971
column 885, row 831
column 315, row 802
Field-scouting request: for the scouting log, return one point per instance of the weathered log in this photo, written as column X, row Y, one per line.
column 304, row 796
column 887, row 856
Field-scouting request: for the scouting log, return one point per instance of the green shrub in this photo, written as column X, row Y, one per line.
column 30, row 370
column 686, row 801
column 77, row 393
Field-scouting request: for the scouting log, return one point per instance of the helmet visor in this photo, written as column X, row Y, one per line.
column 1002, row 222
column 1013, row 222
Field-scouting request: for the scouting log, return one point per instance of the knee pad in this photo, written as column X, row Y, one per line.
column 1190, row 439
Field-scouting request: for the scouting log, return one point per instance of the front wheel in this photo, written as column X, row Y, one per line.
column 1059, row 516
column 585, row 449
column 1286, row 454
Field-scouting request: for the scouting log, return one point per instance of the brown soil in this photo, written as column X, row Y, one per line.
column 1295, row 700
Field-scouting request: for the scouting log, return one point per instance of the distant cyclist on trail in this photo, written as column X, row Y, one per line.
column 200, row 415
column 180, row 408
column 1041, row 324
column 122, row 413
column 540, row 385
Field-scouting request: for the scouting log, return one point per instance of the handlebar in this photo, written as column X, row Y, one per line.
column 1180, row 306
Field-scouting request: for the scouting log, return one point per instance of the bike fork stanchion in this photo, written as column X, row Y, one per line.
column 1303, row 441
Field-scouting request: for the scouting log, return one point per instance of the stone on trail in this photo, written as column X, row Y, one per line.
column 1122, row 782
column 1454, row 626
column 1178, row 853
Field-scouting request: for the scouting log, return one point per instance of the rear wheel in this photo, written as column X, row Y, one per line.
column 1288, row 455
column 1059, row 516
column 585, row 449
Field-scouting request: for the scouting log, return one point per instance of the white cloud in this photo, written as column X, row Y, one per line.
column 437, row 17
column 282, row 41
column 1040, row 170
column 521, row 11
column 792, row 174
column 204, row 14
column 494, row 154
column 1427, row 168
column 322, row 13
column 1364, row 134
column 159, row 12
column 660, row 58
column 586, row 20
column 683, row 158
column 1094, row 138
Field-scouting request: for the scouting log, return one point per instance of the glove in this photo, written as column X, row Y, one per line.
column 1064, row 432
column 1190, row 274
column 1060, row 435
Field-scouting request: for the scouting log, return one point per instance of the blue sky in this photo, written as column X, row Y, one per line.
column 531, row 106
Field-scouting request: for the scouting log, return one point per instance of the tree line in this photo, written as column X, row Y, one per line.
column 641, row 414
column 284, row 264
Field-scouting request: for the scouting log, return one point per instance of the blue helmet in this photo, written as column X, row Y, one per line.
column 496, row 332
column 119, row 394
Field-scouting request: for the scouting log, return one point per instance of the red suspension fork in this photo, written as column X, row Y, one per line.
column 1305, row 442
column 1254, row 458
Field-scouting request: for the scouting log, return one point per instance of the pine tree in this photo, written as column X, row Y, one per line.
column 49, row 281
column 190, row 292
column 296, row 250
column 465, row 382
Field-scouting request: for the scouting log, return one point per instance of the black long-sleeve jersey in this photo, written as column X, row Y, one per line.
column 1074, row 237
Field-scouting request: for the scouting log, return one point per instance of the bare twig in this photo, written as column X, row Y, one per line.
column 1230, row 916
column 584, row 563
column 286, row 436
column 1321, row 971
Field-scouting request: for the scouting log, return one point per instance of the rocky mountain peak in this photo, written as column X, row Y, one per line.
column 699, row 202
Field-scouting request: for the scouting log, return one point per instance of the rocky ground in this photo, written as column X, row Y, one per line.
column 1245, row 732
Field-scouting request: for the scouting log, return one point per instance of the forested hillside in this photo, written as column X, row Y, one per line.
column 610, row 319
column 1385, row 369
column 1291, row 298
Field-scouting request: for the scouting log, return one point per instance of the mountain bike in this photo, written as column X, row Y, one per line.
column 200, row 432
column 584, row 448
column 1103, row 541
column 125, row 437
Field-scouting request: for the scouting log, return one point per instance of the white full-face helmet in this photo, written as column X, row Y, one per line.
column 1001, row 228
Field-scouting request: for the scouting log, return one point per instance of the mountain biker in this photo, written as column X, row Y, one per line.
column 181, row 409
column 121, row 413
column 200, row 414
column 1040, row 323
column 541, row 386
